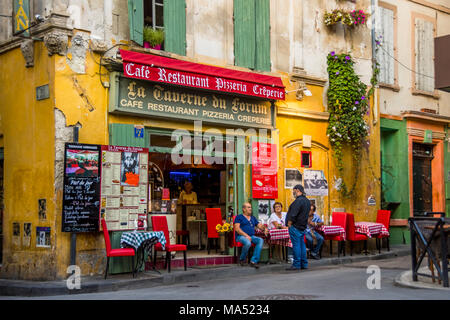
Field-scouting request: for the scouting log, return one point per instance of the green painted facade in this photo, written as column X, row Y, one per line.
column 395, row 175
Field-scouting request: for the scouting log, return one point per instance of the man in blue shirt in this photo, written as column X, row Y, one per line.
column 314, row 221
column 244, row 226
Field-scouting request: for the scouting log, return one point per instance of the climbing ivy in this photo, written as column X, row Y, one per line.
column 348, row 105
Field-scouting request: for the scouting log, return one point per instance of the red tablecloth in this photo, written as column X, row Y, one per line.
column 371, row 228
column 332, row 230
column 276, row 236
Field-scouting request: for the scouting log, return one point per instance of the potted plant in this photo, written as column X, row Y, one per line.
column 223, row 230
column 153, row 38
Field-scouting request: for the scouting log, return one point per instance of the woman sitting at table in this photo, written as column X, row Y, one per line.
column 277, row 218
column 277, row 221
column 187, row 196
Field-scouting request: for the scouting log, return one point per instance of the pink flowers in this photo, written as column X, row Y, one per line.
column 359, row 17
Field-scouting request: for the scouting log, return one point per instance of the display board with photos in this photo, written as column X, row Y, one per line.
column 124, row 187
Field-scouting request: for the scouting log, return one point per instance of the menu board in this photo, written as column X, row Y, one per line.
column 264, row 171
column 124, row 184
column 81, row 192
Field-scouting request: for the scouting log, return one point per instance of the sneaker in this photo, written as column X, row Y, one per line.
column 315, row 256
column 291, row 260
column 242, row 263
column 292, row 268
column 254, row 265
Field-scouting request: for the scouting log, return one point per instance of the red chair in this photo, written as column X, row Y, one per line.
column 237, row 244
column 160, row 224
column 184, row 234
column 122, row 252
column 213, row 218
column 384, row 217
column 338, row 219
column 351, row 235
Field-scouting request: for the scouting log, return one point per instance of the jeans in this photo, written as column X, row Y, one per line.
column 310, row 241
column 298, row 247
column 246, row 246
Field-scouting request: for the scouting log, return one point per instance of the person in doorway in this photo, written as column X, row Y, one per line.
column 244, row 226
column 312, row 235
column 297, row 220
column 187, row 196
column 278, row 217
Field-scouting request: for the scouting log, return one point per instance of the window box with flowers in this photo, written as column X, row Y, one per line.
column 347, row 18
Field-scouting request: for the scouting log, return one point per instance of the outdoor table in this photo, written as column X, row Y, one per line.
column 199, row 231
column 331, row 230
column 371, row 228
column 142, row 242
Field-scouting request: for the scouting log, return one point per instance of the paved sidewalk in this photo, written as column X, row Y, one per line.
column 405, row 280
column 152, row 279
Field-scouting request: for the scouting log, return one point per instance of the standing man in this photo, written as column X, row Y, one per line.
column 244, row 225
column 297, row 220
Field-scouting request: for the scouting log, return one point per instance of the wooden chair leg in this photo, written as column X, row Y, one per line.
column 132, row 265
column 351, row 248
column 343, row 243
column 107, row 266
column 387, row 239
column 331, row 248
column 339, row 249
column 185, row 260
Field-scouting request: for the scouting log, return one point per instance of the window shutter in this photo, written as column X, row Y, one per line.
column 123, row 135
column 244, row 33
column 262, row 35
column 136, row 20
column 424, row 38
column 175, row 26
column 386, row 53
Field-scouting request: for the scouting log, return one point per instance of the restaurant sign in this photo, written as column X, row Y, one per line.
column 130, row 96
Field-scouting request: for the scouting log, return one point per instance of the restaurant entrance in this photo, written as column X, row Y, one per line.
column 183, row 191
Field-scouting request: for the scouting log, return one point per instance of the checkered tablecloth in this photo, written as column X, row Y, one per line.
column 276, row 236
column 371, row 228
column 332, row 230
column 135, row 239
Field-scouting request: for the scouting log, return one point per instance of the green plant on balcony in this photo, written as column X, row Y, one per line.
column 348, row 18
column 153, row 38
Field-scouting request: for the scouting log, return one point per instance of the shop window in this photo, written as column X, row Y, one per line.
column 166, row 15
column 252, row 34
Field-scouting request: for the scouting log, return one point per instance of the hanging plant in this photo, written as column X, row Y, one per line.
column 348, row 104
column 348, row 18
column 358, row 17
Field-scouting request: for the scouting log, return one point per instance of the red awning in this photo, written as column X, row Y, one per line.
column 178, row 72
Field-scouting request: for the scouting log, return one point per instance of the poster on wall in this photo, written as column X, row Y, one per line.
column 264, row 171
column 124, row 187
column 292, row 177
column 315, row 183
column 81, row 191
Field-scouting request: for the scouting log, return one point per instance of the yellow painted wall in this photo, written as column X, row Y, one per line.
column 28, row 140
column 291, row 130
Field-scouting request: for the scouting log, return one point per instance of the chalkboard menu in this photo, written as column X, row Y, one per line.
column 81, row 197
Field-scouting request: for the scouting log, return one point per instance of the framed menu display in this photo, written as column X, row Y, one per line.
column 124, row 184
column 81, row 196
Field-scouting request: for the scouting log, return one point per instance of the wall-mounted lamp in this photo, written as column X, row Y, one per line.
column 301, row 91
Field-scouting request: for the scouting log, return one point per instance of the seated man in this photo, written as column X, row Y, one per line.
column 314, row 221
column 244, row 225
